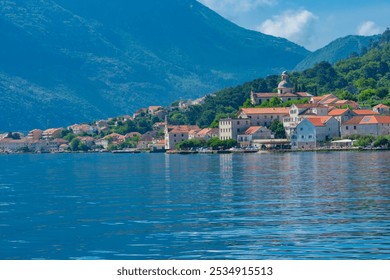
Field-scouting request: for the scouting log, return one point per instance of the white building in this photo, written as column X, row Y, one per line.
column 175, row 134
column 253, row 133
column 298, row 112
column 263, row 116
column 366, row 125
column 231, row 128
column 313, row 130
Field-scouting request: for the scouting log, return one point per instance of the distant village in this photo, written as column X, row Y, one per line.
column 325, row 121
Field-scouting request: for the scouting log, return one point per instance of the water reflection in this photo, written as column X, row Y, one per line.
column 252, row 206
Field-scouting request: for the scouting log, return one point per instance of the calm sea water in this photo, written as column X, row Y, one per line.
column 331, row 205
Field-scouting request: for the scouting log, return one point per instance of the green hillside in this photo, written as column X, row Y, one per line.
column 337, row 50
column 365, row 79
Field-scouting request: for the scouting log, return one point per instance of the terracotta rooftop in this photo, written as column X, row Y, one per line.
column 338, row 112
column 252, row 130
column 264, row 111
column 182, row 128
column 375, row 119
column 319, row 121
column 266, row 94
column 365, row 112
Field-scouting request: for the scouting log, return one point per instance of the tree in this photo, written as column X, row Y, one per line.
column 277, row 129
column 248, row 104
column 217, row 144
column 191, row 143
column 74, row 144
column 382, row 141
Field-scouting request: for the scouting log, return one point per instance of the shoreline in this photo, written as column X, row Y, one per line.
column 184, row 152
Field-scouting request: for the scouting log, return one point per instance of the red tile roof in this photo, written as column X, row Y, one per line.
column 319, row 121
column 265, row 94
column 338, row 112
column 253, row 129
column 182, row 128
column 368, row 120
column 365, row 112
column 265, row 111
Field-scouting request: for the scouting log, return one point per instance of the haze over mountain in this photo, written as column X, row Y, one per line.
column 337, row 50
column 67, row 61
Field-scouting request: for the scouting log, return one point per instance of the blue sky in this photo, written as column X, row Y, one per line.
column 312, row 24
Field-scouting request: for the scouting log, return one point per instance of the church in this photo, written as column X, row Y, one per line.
column 285, row 92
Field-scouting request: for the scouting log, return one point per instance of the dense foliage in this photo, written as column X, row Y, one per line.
column 364, row 78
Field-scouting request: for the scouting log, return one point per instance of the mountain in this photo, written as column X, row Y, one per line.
column 337, row 50
column 68, row 61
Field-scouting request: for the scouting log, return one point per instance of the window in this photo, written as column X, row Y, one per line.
column 354, row 127
column 346, row 128
column 303, row 137
column 301, row 129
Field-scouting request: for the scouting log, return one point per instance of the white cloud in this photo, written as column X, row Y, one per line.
column 368, row 28
column 231, row 7
column 295, row 26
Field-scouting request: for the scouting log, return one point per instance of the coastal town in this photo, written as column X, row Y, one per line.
column 318, row 122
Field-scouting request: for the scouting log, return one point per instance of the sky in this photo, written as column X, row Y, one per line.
column 312, row 24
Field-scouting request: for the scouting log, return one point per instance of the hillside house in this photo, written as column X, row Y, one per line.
column 366, row 125
column 297, row 112
column 359, row 112
column 35, row 134
column 253, row 133
column 331, row 100
column 175, row 134
column 52, row 133
column 313, row 130
column 83, row 128
column 382, row 109
column 231, row 128
column 263, row 116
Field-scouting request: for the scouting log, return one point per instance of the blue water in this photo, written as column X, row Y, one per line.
column 330, row 205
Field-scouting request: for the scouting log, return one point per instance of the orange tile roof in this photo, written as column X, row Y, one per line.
column 206, row 131
column 252, row 130
column 365, row 112
column 266, row 94
column 263, row 111
column 381, row 119
column 330, row 101
column 369, row 120
column 319, row 121
column 182, row 128
column 317, row 98
column 337, row 112
column 354, row 120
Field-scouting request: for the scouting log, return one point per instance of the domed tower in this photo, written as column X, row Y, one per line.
column 285, row 86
